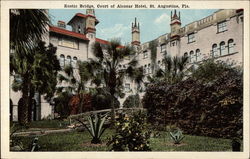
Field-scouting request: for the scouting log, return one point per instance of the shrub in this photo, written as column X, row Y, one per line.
column 15, row 143
column 77, row 106
column 210, row 108
column 131, row 133
column 132, row 101
column 102, row 101
column 61, row 104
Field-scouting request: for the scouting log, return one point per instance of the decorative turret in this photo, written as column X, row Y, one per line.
column 136, row 33
column 90, row 23
column 175, row 24
column 84, row 23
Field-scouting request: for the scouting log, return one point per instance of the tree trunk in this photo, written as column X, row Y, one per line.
column 23, row 119
column 31, row 95
column 112, row 110
column 80, row 103
column 112, row 86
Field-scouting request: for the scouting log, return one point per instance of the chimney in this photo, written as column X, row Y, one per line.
column 61, row 24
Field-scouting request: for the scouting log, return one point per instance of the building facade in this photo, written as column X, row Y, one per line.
column 218, row 36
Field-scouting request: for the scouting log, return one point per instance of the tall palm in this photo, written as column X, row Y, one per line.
column 107, row 67
column 34, row 71
column 173, row 71
column 26, row 27
column 73, row 82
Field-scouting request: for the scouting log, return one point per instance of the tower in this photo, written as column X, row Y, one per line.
column 135, row 34
column 175, row 24
column 91, row 21
column 175, row 35
column 84, row 23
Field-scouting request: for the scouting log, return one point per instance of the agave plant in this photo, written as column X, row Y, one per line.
column 177, row 136
column 96, row 128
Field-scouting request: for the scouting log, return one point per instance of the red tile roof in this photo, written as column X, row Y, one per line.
column 105, row 42
column 83, row 16
column 101, row 41
column 76, row 35
column 67, row 32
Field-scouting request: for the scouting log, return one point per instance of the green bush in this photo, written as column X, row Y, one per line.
column 200, row 107
column 131, row 133
column 132, row 101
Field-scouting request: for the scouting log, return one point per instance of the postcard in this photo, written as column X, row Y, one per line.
column 127, row 79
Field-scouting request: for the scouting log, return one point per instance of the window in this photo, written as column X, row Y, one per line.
column 62, row 60
column 222, row 26
column 74, row 62
column 185, row 54
column 192, row 56
column 215, row 51
column 163, row 48
column 223, row 48
column 191, row 38
column 71, row 43
column 127, row 87
column 68, row 60
column 198, row 55
column 145, row 69
column 145, row 54
column 79, row 29
column 230, row 46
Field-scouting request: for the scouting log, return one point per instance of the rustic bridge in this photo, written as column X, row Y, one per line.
column 83, row 116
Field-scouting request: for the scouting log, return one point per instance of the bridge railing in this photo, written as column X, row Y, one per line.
column 83, row 116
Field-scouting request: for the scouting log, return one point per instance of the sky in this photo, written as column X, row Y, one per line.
column 116, row 23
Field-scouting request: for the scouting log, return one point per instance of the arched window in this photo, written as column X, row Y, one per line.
column 149, row 68
column 145, row 69
column 79, row 29
column 186, row 54
column 192, row 57
column 62, row 60
column 74, row 62
column 68, row 60
column 215, row 50
column 230, row 46
column 198, row 55
column 223, row 48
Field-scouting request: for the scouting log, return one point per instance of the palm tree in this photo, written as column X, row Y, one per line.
column 35, row 71
column 174, row 70
column 106, row 67
column 26, row 27
column 73, row 83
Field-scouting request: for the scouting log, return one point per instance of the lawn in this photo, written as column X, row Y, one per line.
column 42, row 124
column 80, row 141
